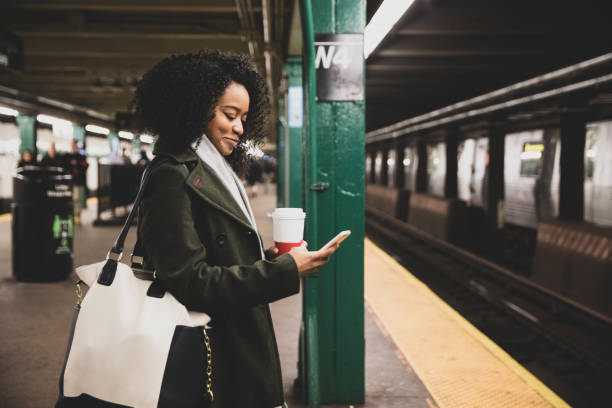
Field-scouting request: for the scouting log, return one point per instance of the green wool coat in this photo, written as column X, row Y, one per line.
column 207, row 254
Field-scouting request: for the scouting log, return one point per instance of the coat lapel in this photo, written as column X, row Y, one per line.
column 205, row 183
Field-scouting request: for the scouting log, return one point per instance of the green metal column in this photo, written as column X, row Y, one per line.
column 334, row 201
column 295, row 121
column 309, row 333
column 113, row 142
column 136, row 145
column 281, row 165
column 78, row 134
column 27, row 133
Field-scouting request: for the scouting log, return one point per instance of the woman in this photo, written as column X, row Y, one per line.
column 197, row 227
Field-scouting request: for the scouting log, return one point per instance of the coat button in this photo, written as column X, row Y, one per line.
column 221, row 239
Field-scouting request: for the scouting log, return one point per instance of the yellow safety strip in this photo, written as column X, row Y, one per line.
column 491, row 346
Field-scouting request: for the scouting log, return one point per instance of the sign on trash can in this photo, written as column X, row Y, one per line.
column 42, row 227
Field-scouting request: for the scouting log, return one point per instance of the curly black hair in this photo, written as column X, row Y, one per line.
column 176, row 98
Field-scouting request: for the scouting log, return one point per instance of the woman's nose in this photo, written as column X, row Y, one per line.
column 237, row 128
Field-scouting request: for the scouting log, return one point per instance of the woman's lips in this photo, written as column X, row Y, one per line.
column 234, row 142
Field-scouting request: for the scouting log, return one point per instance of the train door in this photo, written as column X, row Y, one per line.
column 531, row 177
column 472, row 161
column 436, row 168
column 378, row 167
column 531, row 190
column 465, row 168
column 391, row 167
column 410, row 164
column 598, row 174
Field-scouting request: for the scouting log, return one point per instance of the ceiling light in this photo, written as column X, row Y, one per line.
column 51, row 120
column 146, row 139
column 8, row 111
column 97, row 129
column 126, row 135
column 389, row 12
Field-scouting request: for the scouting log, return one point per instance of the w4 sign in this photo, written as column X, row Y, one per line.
column 339, row 63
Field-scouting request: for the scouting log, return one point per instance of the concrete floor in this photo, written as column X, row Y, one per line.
column 35, row 320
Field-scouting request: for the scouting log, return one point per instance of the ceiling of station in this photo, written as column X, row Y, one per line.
column 445, row 51
column 91, row 53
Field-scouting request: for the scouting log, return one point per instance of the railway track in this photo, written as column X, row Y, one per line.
column 565, row 345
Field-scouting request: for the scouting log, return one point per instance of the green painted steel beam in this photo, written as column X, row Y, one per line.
column 113, row 143
column 281, row 162
column 78, row 133
column 334, row 154
column 311, row 375
column 27, row 133
column 295, row 124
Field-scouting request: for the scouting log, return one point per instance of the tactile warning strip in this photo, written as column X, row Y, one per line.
column 459, row 365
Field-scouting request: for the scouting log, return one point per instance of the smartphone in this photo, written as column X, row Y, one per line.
column 337, row 239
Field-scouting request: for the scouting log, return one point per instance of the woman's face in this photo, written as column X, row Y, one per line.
column 226, row 127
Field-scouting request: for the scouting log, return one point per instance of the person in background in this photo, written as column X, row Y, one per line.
column 254, row 176
column 124, row 158
column 51, row 159
column 143, row 160
column 27, row 158
column 76, row 164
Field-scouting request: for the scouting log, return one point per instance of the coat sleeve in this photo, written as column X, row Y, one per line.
column 169, row 237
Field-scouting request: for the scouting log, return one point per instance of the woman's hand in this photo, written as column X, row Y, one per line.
column 309, row 261
column 271, row 252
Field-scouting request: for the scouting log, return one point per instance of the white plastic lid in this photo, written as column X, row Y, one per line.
column 291, row 213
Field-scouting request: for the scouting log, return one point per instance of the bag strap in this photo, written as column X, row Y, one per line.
column 116, row 252
column 138, row 257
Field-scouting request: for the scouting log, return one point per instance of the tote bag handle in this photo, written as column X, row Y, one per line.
column 114, row 255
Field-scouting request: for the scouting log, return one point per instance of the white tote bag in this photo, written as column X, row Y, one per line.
column 132, row 344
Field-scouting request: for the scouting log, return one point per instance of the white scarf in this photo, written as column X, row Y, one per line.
column 211, row 156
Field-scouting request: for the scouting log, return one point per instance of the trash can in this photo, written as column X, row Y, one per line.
column 42, row 224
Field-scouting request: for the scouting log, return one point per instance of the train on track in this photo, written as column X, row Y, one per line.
column 521, row 176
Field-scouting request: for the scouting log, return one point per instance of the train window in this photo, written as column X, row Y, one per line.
column 391, row 167
column 531, row 159
column 590, row 151
column 531, row 176
column 378, row 162
column 409, row 164
column 368, row 168
column 436, row 168
column 598, row 174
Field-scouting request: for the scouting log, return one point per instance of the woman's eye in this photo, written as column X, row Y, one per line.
column 230, row 117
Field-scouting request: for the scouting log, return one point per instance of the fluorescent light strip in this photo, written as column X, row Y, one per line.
column 146, row 139
column 97, row 129
column 126, row 135
column 389, row 12
column 51, row 120
column 8, row 111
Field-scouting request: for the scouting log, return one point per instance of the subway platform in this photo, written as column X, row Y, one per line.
column 419, row 352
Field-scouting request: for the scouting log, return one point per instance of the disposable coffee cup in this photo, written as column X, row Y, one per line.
column 288, row 228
